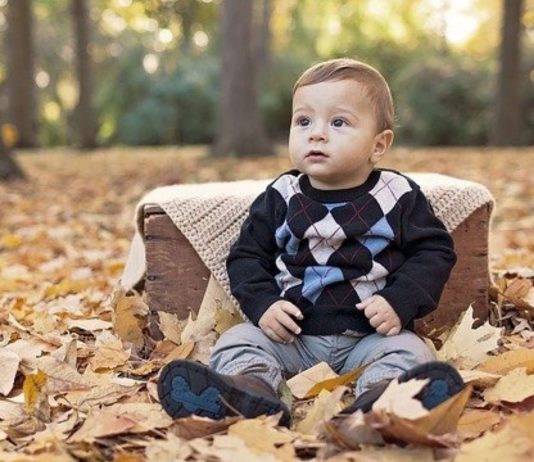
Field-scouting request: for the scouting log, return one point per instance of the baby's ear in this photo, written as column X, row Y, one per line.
column 383, row 142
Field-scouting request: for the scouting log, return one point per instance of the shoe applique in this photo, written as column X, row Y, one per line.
column 208, row 400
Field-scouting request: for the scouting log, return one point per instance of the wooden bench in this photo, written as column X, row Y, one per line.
column 176, row 278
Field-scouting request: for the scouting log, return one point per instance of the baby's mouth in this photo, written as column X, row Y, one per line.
column 316, row 154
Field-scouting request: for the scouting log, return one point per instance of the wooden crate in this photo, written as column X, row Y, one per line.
column 176, row 278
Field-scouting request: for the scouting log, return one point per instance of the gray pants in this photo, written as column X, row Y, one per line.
column 245, row 349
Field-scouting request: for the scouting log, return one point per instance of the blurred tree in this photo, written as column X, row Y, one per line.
column 262, row 38
column 20, row 71
column 240, row 131
column 85, row 120
column 9, row 169
column 507, row 119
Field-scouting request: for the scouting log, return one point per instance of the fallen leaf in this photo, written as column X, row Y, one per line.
column 35, row 397
column 349, row 431
column 513, row 442
column 129, row 317
column 333, row 383
column 169, row 449
column 90, row 325
column 514, row 387
column 302, row 383
column 505, row 362
column 387, row 454
column 466, row 346
column 478, row 378
column 324, row 407
column 194, row 426
column 197, row 329
column 272, row 440
column 9, row 364
column 171, row 327
column 109, row 352
column 121, row 418
column 398, row 398
column 474, row 422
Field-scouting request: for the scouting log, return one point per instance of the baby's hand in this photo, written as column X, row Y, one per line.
column 381, row 315
column 278, row 324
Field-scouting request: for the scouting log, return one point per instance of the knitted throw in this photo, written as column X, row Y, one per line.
column 210, row 215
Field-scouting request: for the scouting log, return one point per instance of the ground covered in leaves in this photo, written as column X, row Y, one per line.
column 78, row 375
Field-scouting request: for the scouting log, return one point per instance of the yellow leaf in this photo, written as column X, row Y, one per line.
column 511, row 443
column 514, row 387
column 171, row 327
column 325, row 406
column 479, row 379
column 444, row 418
column 10, row 241
column 9, row 134
column 225, row 319
column 504, row 363
column 302, row 383
column 469, row 346
column 129, row 317
column 333, row 383
column 35, row 397
column 67, row 286
column 261, row 437
column 473, row 422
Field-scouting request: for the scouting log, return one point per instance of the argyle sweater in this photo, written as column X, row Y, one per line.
column 327, row 250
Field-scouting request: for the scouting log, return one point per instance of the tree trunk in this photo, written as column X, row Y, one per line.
column 20, row 72
column 240, row 131
column 9, row 169
column 263, row 38
column 85, row 120
column 507, row 121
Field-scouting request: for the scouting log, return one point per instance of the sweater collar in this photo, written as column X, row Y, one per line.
column 337, row 195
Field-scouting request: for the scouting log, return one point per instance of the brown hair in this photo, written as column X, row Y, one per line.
column 349, row 69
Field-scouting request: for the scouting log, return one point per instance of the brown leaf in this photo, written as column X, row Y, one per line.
column 474, row 422
column 302, row 383
column 272, row 441
column 506, row 362
column 469, row 346
column 194, row 426
column 333, row 383
column 513, row 442
column 121, row 418
column 324, row 407
column 514, row 387
column 10, row 365
column 129, row 317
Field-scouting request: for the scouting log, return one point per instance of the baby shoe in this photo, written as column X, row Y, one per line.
column 188, row 387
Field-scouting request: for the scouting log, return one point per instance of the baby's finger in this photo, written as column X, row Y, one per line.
column 393, row 331
column 364, row 303
column 376, row 320
column 288, row 323
column 292, row 310
column 274, row 335
column 382, row 328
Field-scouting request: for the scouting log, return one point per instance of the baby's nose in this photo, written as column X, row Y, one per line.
column 318, row 133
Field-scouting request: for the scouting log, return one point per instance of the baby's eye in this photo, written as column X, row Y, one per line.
column 303, row 121
column 338, row 122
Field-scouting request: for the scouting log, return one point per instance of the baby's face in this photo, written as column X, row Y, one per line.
column 333, row 137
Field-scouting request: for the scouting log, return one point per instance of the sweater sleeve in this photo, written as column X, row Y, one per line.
column 414, row 289
column 251, row 261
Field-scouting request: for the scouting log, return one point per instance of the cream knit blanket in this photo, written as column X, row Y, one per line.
column 210, row 215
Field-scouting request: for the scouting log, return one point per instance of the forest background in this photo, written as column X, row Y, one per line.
column 130, row 72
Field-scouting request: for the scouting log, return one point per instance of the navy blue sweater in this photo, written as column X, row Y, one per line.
column 325, row 251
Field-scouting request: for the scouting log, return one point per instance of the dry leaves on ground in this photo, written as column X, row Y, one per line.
column 79, row 371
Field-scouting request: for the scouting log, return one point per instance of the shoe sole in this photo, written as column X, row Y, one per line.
column 436, row 371
column 186, row 388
